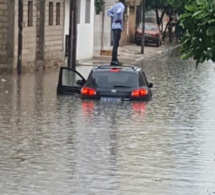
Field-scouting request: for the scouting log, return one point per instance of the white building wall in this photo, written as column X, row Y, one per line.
column 84, row 30
column 102, row 38
column 97, row 34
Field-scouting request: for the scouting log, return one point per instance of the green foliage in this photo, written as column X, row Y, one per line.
column 159, row 5
column 199, row 21
column 197, row 17
column 99, row 5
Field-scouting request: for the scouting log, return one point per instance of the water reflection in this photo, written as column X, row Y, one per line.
column 64, row 145
column 90, row 108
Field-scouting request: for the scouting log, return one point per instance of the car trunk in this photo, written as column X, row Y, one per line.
column 115, row 93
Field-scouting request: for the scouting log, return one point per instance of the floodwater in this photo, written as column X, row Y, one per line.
column 53, row 145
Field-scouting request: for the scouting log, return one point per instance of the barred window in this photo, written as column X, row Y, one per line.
column 51, row 13
column 57, row 13
column 30, row 13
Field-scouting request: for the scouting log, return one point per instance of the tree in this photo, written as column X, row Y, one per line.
column 199, row 22
column 99, row 6
column 164, row 7
column 158, row 5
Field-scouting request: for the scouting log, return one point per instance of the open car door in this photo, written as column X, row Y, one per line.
column 70, row 81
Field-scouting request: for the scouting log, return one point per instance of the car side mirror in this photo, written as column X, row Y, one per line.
column 150, row 85
column 80, row 82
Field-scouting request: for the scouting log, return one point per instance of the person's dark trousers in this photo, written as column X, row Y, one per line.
column 116, row 38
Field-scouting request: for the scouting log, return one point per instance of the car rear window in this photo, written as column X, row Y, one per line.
column 115, row 79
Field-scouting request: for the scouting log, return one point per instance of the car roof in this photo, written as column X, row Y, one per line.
column 126, row 68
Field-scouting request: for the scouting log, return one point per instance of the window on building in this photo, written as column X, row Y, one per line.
column 51, row 13
column 88, row 8
column 30, row 13
column 58, row 14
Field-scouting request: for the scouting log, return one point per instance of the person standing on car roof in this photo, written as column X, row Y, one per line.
column 116, row 14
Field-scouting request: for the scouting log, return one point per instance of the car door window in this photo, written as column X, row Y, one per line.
column 141, row 81
column 67, row 81
column 145, row 81
column 69, row 78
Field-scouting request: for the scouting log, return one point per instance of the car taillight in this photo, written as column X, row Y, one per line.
column 114, row 70
column 139, row 92
column 88, row 91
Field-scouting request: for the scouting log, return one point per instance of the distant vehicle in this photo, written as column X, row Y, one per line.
column 152, row 34
column 106, row 83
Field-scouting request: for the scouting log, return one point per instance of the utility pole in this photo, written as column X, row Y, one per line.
column 72, row 35
column 20, row 26
column 143, row 26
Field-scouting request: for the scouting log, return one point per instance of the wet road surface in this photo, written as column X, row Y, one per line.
column 53, row 145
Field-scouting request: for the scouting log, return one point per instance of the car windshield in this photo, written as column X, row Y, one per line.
column 115, row 79
column 149, row 26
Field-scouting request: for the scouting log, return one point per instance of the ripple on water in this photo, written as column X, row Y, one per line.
column 63, row 145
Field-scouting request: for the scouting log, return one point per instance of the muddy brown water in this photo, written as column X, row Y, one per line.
column 53, row 145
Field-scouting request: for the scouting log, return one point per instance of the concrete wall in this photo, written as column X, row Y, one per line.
column 29, row 43
column 131, row 23
column 54, row 36
column 29, row 36
column 4, row 30
column 15, row 34
column 41, row 42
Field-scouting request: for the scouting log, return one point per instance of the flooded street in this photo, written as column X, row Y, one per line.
column 53, row 145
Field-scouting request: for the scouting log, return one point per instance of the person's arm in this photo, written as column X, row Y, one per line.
column 119, row 13
column 110, row 12
column 120, row 9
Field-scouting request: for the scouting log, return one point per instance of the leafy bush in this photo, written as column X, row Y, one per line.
column 99, row 5
column 199, row 22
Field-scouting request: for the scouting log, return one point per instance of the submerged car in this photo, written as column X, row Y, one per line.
column 152, row 34
column 106, row 83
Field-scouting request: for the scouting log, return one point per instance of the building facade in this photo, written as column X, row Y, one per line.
column 45, row 26
column 42, row 33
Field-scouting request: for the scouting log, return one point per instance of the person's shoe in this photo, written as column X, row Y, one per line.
column 116, row 63
column 120, row 63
